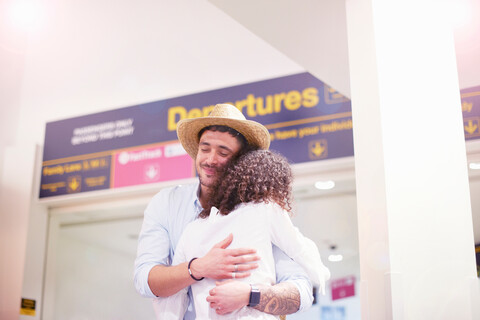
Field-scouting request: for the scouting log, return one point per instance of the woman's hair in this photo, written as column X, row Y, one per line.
column 256, row 176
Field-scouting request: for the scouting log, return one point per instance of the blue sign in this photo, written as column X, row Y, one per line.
column 333, row 313
column 82, row 175
column 471, row 112
column 307, row 121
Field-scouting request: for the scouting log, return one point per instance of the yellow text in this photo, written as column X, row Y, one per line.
column 252, row 106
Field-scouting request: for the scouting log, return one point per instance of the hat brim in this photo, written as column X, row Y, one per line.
column 188, row 129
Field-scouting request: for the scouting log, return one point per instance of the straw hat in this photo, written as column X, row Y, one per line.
column 223, row 115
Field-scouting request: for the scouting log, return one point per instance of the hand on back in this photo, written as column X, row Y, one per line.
column 222, row 263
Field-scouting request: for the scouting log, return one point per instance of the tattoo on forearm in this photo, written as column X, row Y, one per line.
column 280, row 299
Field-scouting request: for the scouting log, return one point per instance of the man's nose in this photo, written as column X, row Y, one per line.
column 212, row 159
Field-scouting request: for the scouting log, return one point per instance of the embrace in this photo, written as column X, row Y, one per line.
column 225, row 247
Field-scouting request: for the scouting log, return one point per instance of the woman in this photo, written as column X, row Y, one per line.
column 252, row 201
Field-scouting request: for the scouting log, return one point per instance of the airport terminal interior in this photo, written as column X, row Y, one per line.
column 71, row 65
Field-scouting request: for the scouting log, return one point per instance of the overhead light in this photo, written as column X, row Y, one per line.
column 335, row 257
column 474, row 165
column 325, row 185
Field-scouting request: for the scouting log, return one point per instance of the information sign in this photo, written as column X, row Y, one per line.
column 307, row 121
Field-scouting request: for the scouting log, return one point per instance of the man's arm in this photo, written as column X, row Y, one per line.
column 279, row 299
column 218, row 263
column 153, row 248
column 293, row 291
column 153, row 274
column 289, row 272
column 167, row 280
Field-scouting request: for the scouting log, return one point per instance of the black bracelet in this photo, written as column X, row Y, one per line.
column 190, row 271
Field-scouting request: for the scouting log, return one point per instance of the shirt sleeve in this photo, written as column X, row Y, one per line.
column 298, row 247
column 288, row 270
column 174, row 306
column 183, row 242
column 153, row 242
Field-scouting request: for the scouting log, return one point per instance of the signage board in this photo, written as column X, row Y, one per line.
column 137, row 145
column 471, row 112
column 27, row 307
column 343, row 287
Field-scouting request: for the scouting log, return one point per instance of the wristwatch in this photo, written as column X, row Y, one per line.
column 254, row 296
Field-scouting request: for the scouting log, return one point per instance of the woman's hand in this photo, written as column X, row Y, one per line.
column 229, row 296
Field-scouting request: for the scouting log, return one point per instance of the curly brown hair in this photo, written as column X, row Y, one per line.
column 256, row 176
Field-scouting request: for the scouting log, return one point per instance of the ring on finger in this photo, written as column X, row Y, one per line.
column 233, row 275
column 236, row 268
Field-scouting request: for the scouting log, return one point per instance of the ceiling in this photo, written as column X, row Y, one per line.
column 280, row 22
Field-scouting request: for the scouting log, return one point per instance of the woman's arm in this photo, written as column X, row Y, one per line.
column 298, row 247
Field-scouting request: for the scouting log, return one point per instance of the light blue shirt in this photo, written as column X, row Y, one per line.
column 165, row 218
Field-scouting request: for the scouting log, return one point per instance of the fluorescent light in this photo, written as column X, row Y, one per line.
column 325, row 185
column 335, row 257
column 474, row 165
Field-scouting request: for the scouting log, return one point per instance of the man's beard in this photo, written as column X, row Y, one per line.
column 219, row 171
column 207, row 184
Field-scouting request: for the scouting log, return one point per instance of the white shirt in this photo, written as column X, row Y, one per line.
column 253, row 226
column 166, row 217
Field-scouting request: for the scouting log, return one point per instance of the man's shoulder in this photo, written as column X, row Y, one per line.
column 170, row 200
column 177, row 191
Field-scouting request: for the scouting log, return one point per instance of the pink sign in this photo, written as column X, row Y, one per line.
column 149, row 165
column 343, row 288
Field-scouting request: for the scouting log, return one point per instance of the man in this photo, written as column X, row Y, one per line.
column 212, row 142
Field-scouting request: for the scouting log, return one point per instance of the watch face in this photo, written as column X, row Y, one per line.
column 254, row 297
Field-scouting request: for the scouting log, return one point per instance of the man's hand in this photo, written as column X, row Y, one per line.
column 229, row 296
column 222, row 263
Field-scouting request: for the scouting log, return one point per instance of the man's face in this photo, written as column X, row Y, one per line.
column 214, row 151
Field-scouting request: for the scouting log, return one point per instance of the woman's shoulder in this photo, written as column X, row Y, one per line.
column 263, row 205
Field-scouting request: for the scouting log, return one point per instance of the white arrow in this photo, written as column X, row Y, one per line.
column 152, row 172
